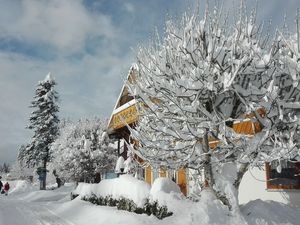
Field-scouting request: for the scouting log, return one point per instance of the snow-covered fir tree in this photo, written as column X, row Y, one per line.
column 207, row 74
column 44, row 123
column 83, row 152
column 5, row 168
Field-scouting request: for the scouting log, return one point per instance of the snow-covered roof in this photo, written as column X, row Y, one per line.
column 116, row 109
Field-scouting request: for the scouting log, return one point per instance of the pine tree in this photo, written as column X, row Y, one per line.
column 45, row 124
column 5, row 168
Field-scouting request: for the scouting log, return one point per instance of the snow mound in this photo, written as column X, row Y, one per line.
column 124, row 186
column 163, row 184
column 20, row 186
column 166, row 192
column 56, row 195
column 270, row 212
column 85, row 189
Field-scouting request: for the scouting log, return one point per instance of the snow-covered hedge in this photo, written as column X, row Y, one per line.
column 149, row 208
column 130, row 194
column 124, row 186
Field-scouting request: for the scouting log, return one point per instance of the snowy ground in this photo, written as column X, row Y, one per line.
column 28, row 206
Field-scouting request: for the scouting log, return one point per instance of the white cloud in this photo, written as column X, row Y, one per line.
column 64, row 24
column 129, row 7
column 88, row 83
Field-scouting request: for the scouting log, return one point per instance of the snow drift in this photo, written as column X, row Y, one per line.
column 124, row 186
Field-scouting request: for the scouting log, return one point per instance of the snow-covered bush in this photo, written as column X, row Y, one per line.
column 149, row 208
column 127, row 193
column 80, row 151
column 204, row 76
column 124, row 186
column 165, row 185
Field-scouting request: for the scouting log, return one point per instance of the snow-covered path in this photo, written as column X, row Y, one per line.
column 19, row 212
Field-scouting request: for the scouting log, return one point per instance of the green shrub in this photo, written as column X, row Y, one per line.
column 126, row 204
column 110, row 201
column 73, row 196
column 149, row 208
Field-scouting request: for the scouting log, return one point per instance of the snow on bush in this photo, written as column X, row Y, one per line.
column 124, row 186
column 163, row 184
column 166, row 192
column 82, row 150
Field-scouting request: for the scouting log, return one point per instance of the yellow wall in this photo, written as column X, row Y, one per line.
column 148, row 174
column 182, row 181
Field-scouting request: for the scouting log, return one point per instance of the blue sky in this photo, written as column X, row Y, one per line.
column 88, row 46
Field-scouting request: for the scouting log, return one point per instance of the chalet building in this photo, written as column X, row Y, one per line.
column 266, row 183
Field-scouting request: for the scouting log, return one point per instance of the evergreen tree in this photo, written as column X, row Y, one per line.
column 5, row 168
column 45, row 124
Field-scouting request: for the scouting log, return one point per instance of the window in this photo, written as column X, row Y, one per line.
column 283, row 175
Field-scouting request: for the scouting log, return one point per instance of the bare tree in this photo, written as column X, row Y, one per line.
column 206, row 75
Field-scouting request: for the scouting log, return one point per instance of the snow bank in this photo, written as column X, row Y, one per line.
column 57, row 195
column 19, row 186
column 165, row 191
column 163, row 184
column 208, row 210
column 124, row 186
column 270, row 212
column 85, row 189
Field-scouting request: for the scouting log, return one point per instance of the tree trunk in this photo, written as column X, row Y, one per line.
column 208, row 175
column 233, row 204
column 208, row 172
column 43, row 181
column 243, row 169
column 97, row 177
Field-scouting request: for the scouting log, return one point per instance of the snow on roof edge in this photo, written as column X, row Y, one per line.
column 133, row 66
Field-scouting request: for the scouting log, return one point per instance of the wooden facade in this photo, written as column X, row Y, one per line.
column 126, row 116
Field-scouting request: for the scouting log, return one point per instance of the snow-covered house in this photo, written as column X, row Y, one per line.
column 125, row 114
column 270, row 182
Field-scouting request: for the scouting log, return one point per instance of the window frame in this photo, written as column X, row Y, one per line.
column 271, row 186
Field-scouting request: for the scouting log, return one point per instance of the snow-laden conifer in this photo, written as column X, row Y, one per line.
column 44, row 123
